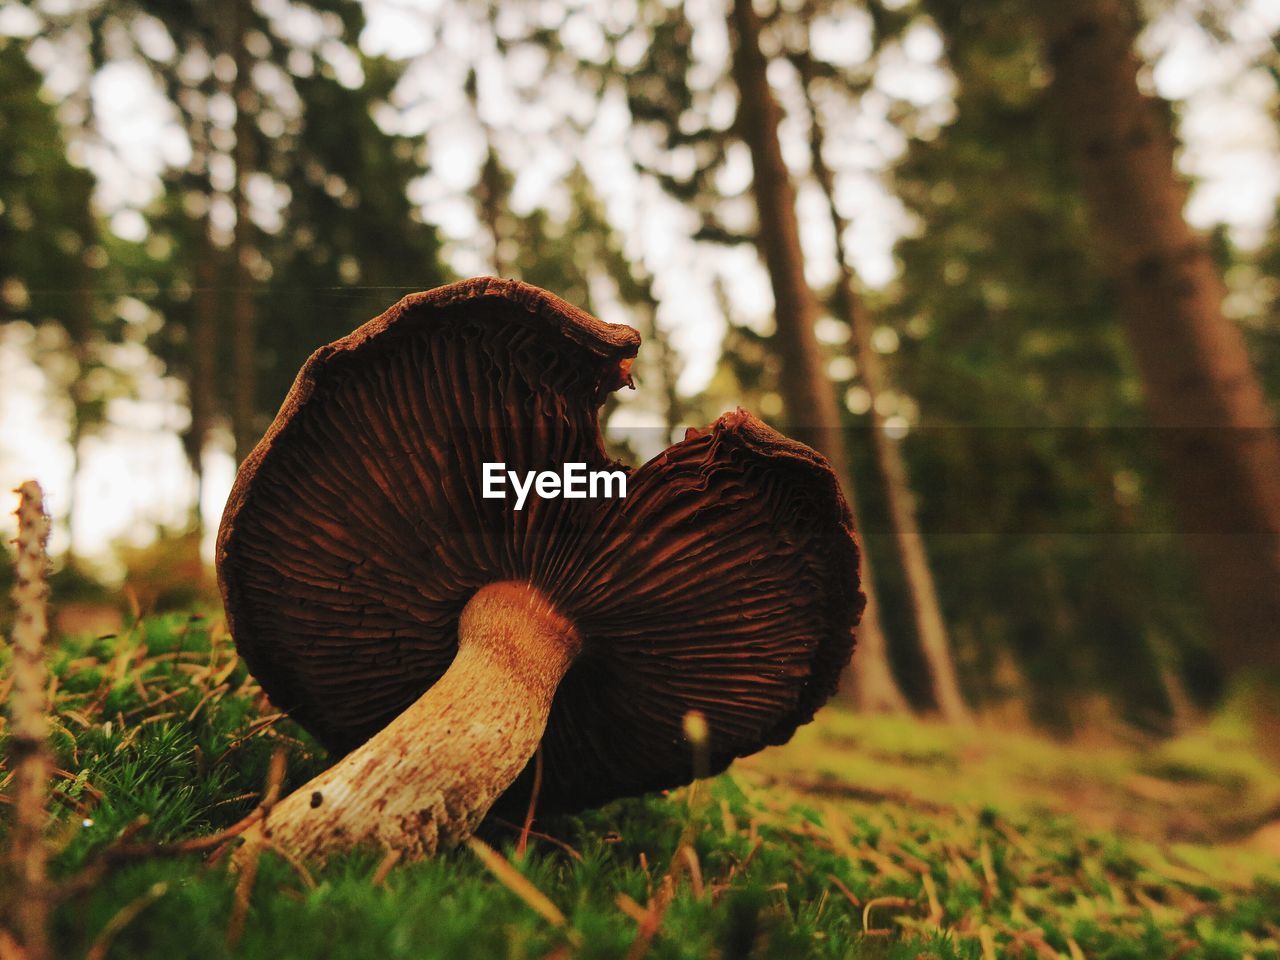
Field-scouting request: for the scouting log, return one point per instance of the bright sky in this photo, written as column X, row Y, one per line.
column 134, row 475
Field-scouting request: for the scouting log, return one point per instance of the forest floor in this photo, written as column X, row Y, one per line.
column 863, row 837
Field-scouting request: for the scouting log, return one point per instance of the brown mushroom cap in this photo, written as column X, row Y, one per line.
column 725, row 582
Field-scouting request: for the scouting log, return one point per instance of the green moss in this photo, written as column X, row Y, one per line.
column 163, row 723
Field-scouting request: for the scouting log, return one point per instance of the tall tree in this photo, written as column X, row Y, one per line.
column 931, row 628
column 812, row 413
column 1214, row 426
column 244, row 353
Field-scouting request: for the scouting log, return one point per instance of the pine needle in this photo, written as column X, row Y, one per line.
column 122, row 919
column 891, row 903
column 384, row 868
column 516, row 882
column 848, row 894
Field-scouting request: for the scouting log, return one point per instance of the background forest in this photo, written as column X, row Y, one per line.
column 193, row 197
column 1012, row 266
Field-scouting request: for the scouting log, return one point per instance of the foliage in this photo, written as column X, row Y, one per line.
column 1053, row 547
column 52, row 262
column 839, row 846
column 352, row 242
column 575, row 256
column 325, row 179
column 44, row 200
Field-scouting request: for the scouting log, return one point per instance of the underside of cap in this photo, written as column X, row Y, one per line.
column 355, row 531
column 725, row 582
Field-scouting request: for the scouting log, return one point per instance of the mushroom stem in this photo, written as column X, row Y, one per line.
column 425, row 781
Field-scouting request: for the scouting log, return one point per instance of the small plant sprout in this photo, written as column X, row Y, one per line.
column 28, row 908
column 434, row 638
column 698, row 734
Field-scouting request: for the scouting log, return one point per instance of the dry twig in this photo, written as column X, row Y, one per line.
column 246, row 860
column 28, row 749
column 533, row 804
column 517, row 883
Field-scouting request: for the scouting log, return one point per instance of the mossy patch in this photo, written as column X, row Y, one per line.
column 863, row 838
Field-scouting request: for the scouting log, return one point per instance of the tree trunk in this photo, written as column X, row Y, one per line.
column 201, row 390
column 812, row 413
column 493, row 187
column 871, row 683
column 80, row 329
column 1216, row 432
column 243, row 332
column 666, row 357
column 931, row 628
column 667, row 365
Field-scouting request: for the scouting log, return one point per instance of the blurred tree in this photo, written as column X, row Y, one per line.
column 1262, row 273
column 689, row 143
column 811, row 411
column 174, row 41
column 931, row 627
column 581, row 257
column 1215, row 428
column 177, row 272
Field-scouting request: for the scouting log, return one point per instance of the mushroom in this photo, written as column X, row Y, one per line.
column 435, row 639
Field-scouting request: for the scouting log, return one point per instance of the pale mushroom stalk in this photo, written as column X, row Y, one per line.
column 425, row 781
